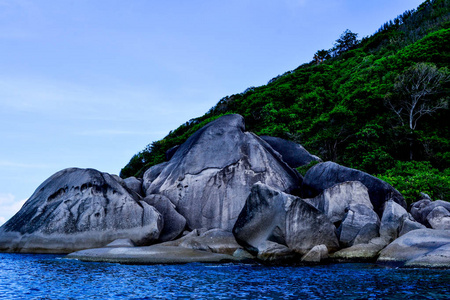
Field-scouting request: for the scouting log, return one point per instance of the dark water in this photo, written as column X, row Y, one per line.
column 51, row 277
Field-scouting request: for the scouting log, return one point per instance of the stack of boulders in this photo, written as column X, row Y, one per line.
column 229, row 195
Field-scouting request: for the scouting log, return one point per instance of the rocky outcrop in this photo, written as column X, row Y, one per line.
column 274, row 224
column 439, row 218
column 155, row 254
column 295, row 155
column 214, row 240
column 174, row 223
column 78, row 209
column 360, row 225
column 134, row 184
column 316, row 254
column 336, row 200
column 211, row 174
column 422, row 209
column 151, row 174
column 419, row 248
column 325, row 175
column 263, row 218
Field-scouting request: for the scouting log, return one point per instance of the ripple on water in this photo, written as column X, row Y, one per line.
column 50, row 277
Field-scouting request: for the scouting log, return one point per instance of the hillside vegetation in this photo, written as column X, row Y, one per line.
column 379, row 104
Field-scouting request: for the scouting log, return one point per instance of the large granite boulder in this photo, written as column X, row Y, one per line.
column 420, row 210
column 306, row 227
column 174, row 223
column 360, row 225
column 263, row 218
column 77, row 209
column 151, row 174
column 419, row 248
column 327, row 174
column 295, row 155
column 276, row 224
column 336, row 200
column 211, row 174
column 396, row 221
column 134, row 184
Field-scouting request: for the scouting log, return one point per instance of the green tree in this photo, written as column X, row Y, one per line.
column 346, row 41
column 321, row 55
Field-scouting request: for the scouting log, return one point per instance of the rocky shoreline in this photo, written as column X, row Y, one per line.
column 227, row 195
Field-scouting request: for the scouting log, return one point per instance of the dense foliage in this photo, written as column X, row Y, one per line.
column 337, row 105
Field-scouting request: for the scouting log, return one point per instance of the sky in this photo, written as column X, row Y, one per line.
column 89, row 83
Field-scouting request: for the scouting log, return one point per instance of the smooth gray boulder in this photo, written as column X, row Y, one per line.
column 134, row 184
column 155, row 254
column 427, row 247
column 271, row 216
column 360, row 225
column 295, row 155
column 307, row 227
column 392, row 221
column 77, row 209
column 439, row 218
column 336, row 200
column 272, row 252
column 421, row 209
column 263, row 218
column 325, row 175
column 171, row 152
column 121, row 243
column 438, row 258
column 214, row 240
column 410, row 224
column 360, row 252
column 210, row 175
column 150, row 175
column 174, row 223
column 316, row 254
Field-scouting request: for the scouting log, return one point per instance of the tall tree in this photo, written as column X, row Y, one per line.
column 418, row 92
column 321, row 55
column 346, row 41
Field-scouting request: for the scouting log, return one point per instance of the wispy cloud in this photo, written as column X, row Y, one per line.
column 9, row 206
column 12, row 164
column 106, row 132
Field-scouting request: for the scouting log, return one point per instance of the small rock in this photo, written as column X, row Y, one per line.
column 121, row 243
column 439, row 218
column 316, row 254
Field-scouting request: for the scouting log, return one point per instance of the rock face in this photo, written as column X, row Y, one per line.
column 211, row 174
column 420, row 210
column 327, row 174
column 174, row 223
column 336, row 200
column 360, row 225
column 214, row 240
column 295, row 155
column 134, row 184
column 275, row 224
column 263, row 217
column 419, row 248
column 77, row 209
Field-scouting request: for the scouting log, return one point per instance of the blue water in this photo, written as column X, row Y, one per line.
column 52, row 277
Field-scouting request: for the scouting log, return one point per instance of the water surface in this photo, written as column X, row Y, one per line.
column 52, row 277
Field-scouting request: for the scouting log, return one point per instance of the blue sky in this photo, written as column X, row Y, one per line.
column 90, row 83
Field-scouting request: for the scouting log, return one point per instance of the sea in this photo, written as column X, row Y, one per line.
column 31, row 276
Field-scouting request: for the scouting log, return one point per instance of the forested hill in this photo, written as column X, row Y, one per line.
column 379, row 104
